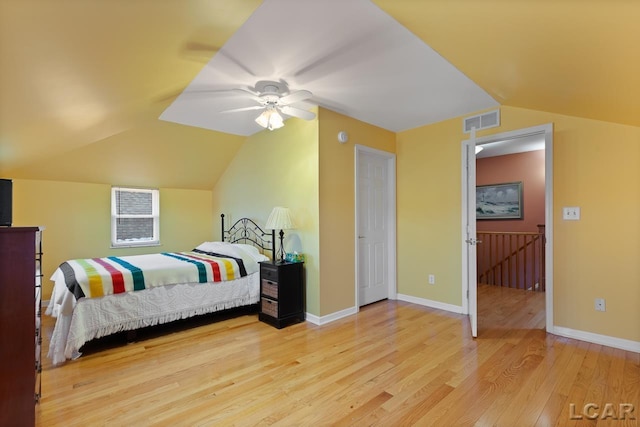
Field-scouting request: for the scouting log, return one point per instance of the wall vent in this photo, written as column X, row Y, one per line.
column 481, row 121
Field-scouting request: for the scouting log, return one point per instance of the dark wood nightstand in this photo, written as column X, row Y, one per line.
column 281, row 293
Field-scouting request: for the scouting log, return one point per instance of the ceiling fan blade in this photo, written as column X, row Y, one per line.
column 198, row 51
column 297, row 96
column 208, row 92
column 297, row 112
column 196, row 93
column 197, row 46
column 248, row 93
column 236, row 110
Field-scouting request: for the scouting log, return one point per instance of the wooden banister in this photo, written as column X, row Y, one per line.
column 512, row 259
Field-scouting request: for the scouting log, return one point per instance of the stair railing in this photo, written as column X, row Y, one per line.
column 512, row 259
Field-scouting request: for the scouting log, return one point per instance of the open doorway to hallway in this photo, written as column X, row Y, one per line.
column 510, row 212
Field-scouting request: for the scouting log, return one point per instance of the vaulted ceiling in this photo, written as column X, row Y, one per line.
column 88, row 79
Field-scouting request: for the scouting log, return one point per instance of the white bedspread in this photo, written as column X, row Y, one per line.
column 79, row 321
column 97, row 317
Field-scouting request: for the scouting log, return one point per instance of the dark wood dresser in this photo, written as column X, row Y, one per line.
column 20, row 282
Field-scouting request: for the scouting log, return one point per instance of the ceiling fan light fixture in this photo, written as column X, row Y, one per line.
column 263, row 119
column 275, row 121
column 270, row 119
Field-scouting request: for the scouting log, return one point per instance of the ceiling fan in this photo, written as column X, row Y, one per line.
column 274, row 98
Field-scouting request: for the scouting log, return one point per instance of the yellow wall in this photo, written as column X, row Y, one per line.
column 595, row 167
column 278, row 168
column 429, row 211
column 302, row 166
column 77, row 220
column 337, row 204
column 155, row 154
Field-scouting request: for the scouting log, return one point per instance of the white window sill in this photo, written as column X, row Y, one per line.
column 135, row 245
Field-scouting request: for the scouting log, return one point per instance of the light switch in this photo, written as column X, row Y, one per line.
column 571, row 213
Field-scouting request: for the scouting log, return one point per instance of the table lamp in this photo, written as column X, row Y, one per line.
column 280, row 219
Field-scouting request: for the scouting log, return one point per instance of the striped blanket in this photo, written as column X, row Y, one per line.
column 97, row 277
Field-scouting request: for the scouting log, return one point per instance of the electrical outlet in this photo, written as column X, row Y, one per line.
column 432, row 279
column 599, row 303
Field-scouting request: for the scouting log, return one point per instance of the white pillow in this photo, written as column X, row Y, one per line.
column 248, row 248
column 232, row 249
column 212, row 246
column 252, row 251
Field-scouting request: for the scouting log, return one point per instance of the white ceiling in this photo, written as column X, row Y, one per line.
column 360, row 62
column 511, row 146
column 83, row 79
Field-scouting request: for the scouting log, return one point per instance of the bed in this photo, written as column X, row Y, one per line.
column 96, row 297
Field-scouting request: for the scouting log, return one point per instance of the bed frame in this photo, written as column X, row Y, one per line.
column 246, row 231
column 243, row 230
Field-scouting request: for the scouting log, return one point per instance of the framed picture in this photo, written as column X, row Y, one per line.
column 499, row 201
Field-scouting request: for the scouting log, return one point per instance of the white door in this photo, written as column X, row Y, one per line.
column 469, row 280
column 470, row 241
column 372, row 198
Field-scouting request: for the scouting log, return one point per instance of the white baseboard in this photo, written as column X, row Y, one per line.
column 331, row 317
column 312, row 318
column 609, row 341
column 430, row 303
column 353, row 310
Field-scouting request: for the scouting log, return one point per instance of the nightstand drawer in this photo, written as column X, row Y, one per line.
column 270, row 307
column 269, row 273
column 270, row 288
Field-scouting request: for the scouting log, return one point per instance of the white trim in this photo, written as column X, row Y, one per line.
column 311, row 318
column 391, row 219
column 607, row 340
column 431, row 303
column 548, row 219
column 547, row 130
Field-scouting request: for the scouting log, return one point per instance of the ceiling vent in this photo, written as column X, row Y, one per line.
column 482, row 121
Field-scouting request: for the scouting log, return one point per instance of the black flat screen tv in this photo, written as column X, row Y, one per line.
column 6, row 202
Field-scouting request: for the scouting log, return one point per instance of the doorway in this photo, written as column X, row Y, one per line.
column 469, row 280
column 375, row 212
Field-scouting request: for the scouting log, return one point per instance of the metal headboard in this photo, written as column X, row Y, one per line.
column 246, row 231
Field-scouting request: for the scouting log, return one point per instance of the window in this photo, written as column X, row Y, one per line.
column 135, row 217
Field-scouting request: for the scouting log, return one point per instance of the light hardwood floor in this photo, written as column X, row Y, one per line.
column 393, row 364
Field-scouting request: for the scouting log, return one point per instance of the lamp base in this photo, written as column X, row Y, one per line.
column 281, row 254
